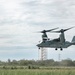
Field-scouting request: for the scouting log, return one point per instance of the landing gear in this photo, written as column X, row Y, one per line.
column 38, row 47
column 55, row 48
column 61, row 49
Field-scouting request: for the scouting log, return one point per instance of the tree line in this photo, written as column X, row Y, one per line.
column 49, row 62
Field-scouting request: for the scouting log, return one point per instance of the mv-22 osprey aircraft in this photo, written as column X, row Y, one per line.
column 55, row 43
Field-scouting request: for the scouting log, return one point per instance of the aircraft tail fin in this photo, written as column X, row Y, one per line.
column 73, row 40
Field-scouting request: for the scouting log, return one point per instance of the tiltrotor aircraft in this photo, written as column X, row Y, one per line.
column 59, row 42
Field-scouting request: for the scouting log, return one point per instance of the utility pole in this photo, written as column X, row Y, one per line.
column 59, row 56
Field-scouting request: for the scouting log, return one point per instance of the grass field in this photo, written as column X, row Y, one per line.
column 37, row 72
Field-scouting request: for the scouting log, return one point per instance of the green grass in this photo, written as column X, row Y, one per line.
column 37, row 72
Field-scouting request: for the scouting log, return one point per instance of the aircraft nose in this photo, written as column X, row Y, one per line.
column 38, row 45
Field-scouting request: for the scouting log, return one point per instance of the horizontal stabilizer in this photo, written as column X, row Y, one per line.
column 73, row 40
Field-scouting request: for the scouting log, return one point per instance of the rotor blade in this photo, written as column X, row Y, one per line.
column 43, row 31
column 63, row 30
column 68, row 28
column 47, row 30
column 55, row 31
column 51, row 29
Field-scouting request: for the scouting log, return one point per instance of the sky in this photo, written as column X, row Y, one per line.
column 21, row 19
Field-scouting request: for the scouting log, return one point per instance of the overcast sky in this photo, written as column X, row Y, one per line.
column 21, row 19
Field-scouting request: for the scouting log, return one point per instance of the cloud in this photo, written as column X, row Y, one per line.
column 53, row 12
